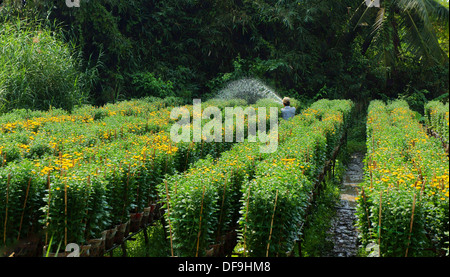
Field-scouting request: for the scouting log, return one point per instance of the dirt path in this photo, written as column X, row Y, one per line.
column 343, row 233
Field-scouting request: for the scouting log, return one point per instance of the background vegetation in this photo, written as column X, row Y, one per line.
column 307, row 49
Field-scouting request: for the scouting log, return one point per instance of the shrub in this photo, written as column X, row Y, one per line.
column 436, row 117
column 147, row 84
column 37, row 70
column 404, row 198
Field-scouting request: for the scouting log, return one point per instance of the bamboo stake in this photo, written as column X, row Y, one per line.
column 421, row 189
column 126, row 193
column 411, row 225
column 60, row 163
column 153, row 158
column 48, row 181
column 65, row 212
column 200, row 223
column 379, row 221
column 187, row 156
column 6, row 214
column 48, row 210
column 24, row 206
column 365, row 206
column 168, row 216
column 165, row 167
column 271, row 224
column 221, row 207
column 246, row 219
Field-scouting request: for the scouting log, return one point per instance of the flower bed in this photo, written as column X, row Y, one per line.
column 75, row 175
column 403, row 207
column 275, row 202
column 206, row 202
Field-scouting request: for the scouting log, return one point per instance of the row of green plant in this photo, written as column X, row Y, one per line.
column 403, row 203
column 74, row 175
column 275, row 202
column 207, row 202
column 78, row 174
column 437, row 118
column 26, row 134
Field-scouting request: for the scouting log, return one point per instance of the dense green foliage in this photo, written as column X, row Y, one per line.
column 305, row 49
column 38, row 70
column 79, row 173
column 437, row 117
column 206, row 202
column 403, row 206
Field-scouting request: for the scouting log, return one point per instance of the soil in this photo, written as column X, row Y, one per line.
column 343, row 234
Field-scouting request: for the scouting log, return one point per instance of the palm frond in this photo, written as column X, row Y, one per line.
column 379, row 21
column 420, row 38
column 438, row 12
column 362, row 17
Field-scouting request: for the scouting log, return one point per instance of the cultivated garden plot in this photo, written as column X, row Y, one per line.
column 221, row 130
column 404, row 203
column 96, row 175
column 69, row 177
column 267, row 194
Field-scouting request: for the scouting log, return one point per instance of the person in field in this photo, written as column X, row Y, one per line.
column 288, row 111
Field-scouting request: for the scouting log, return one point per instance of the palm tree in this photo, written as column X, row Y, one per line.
column 403, row 27
column 399, row 36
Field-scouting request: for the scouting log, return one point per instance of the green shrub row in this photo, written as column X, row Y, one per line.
column 403, row 206
column 206, row 202
column 437, row 118
column 274, row 203
column 76, row 174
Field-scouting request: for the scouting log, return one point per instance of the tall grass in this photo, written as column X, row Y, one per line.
column 37, row 69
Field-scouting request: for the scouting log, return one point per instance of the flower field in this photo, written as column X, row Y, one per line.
column 403, row 207
column 80, row 177
column 266, row 193
column 71, row 176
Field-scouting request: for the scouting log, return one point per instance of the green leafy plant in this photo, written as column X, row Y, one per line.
column 146, row 83
column 437, row 118
column 37, row 69
column 401, row 207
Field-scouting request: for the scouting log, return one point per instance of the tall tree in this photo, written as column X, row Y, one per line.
column 401, row 27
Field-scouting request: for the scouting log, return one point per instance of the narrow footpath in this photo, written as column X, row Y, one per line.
column 343, row 233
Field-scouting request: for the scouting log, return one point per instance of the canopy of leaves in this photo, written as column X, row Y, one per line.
column 305, row 49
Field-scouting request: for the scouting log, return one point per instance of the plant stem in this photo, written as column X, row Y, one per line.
column 24, row 206
column 168, row 217
column 200, row 223
column 6, row 213
column 379, row 222
column 271, row 224
column 411, row 225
